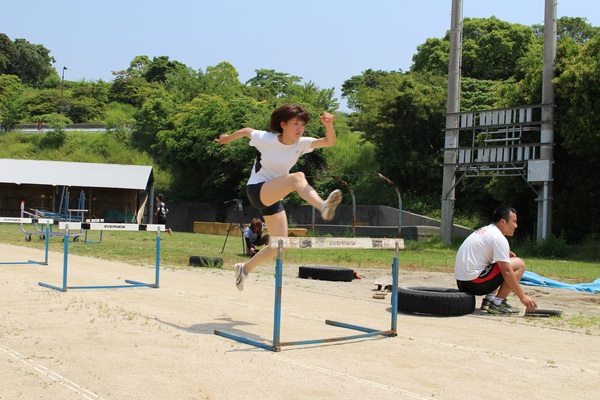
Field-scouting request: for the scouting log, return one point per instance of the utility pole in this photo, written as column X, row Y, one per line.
column 451, row 140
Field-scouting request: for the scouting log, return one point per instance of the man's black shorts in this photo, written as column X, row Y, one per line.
column 489, row 280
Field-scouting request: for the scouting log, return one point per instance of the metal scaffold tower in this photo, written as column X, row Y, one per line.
column 516, row 141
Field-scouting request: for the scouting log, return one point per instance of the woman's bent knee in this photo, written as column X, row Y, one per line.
column 299, row 176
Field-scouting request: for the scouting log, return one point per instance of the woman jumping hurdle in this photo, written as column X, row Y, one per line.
column 270, row 180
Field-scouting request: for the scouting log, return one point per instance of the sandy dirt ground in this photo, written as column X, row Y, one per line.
column 146, row 343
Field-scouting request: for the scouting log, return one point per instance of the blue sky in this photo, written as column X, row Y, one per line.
column 325, row 41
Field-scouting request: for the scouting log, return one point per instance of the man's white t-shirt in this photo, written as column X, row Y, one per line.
column 483, row 247
column 275, row 158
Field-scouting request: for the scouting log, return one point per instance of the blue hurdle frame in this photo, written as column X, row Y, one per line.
column 45, row 262
column 276, row 344
column 130, row 283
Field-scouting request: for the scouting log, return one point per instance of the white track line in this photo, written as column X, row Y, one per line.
column 403, row 392
column 86, row 394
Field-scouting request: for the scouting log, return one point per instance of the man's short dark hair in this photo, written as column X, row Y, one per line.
column 502, row 212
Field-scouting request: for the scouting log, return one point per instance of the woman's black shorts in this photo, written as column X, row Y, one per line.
column 253, row 193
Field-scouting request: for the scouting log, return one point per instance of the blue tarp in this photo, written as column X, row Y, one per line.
column 532, row 279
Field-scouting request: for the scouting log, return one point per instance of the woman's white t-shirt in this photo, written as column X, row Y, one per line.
column 274, row 158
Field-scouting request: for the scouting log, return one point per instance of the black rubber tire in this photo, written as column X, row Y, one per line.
column 435, row 301
column 201, row 261
column 336, row 274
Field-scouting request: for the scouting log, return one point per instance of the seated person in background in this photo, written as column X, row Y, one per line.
column 254, row 237
column 486, row 266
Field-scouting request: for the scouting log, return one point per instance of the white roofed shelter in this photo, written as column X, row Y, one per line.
column 112, row 191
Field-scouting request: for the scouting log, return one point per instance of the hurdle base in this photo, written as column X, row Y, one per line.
column 24, row 262
column 389, row 332
column 263, row 345
column 136, row 283
column 49, row 286
column 276, row 347
column 130, row 284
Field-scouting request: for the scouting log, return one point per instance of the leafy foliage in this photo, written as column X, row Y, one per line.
column 402, row 115
column 32, row 63
column 170, row 113
column 491, row 49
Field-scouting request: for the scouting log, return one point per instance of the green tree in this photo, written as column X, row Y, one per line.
column 7, row 53
column 137, row 67
column 12, row 111
column 403, row 118
column 130, row 89
column 578, row 91
column 577, row 137
column 479, row 94
column 12, row 104
column 491, row 49
column 204, row 170
column 87, row 101
column 155, row 115
column 222, row 80
column 10, row 85
column 576, row 28
column 271, row 84
column 42, row 101
column 32, row 63
column 185, row 83
column 432, row 56
column 159, row 68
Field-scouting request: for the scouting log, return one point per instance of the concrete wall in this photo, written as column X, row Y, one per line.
column 373, row 221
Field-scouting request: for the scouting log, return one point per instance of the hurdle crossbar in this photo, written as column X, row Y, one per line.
column 110, row 227
column 41, row 221
column 362, row 243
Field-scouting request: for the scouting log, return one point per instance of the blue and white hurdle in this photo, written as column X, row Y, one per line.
column 322, row 243
column 68, row 226
column 47, row 222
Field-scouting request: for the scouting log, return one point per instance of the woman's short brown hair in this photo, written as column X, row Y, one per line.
column 285, row 113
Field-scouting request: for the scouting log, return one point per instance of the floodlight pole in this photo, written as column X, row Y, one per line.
column 544, row 224
column 62, row 91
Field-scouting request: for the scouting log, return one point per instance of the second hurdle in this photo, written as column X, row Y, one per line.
column 101, row 226
column 321, row 243
column 46, row 222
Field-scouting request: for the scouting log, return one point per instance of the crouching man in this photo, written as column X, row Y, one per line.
column 486, row 266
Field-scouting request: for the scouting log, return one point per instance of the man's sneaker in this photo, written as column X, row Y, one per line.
column 502, row 308
column 512, row 309
column 328, row 207
column 485, row 304
column 240, row 276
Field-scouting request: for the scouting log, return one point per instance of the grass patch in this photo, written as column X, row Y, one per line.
column 138, row 248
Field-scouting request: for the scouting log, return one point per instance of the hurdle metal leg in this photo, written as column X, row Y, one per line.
column 276, row 344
